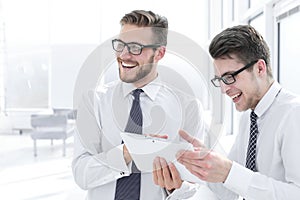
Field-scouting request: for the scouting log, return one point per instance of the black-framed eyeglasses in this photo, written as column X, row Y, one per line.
column 230, row 77
column 132, row 47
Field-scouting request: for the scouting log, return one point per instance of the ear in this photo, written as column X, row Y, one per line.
column 160, row 53
column 261, row 68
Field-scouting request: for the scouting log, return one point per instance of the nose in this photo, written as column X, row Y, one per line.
column 224, row 87
column 125, row 53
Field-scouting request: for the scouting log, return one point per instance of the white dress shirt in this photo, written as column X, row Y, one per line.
column 277, row 154
column 98, row 157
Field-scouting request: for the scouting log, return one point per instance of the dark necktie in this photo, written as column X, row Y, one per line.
column 128, row 188
column 251, row 152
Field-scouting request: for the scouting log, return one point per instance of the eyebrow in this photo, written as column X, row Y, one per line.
column 127, row 42
column 226, row 73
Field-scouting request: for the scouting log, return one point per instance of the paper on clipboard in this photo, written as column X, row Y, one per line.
column 143, row 150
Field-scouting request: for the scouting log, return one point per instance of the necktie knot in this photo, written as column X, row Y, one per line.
column 136, row 94
column 253, row 116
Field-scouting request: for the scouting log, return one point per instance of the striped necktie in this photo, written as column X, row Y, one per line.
column 128, row 188
column 251, row 152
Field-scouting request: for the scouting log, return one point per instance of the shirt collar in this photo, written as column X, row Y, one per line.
column 267, row 100
column 151, row 89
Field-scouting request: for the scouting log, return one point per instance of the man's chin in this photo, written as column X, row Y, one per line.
column 127, row 80
column 240, row 108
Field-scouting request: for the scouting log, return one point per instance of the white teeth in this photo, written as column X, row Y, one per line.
column 127, row 65
column 234, row 96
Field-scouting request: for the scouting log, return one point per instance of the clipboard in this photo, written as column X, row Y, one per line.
column 144, row 149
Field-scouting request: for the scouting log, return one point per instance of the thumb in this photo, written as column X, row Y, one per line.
column 190, row 139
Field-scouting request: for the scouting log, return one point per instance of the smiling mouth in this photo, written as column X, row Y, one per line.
column 236, row 96
column 128, row 65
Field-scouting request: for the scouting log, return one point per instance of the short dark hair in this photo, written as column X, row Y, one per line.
column 142, row 18
column 244, row 42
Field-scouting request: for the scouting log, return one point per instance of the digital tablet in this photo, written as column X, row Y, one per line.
column 144, row 149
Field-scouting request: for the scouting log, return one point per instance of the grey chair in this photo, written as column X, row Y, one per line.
column 70, row 113
column 50, row 127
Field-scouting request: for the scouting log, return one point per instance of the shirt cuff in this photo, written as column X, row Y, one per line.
column 114, row 159
column 238, row 179
column 186, row 191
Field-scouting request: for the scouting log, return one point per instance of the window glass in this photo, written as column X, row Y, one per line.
column 26, row 54
column 259, row 24
column 255, row 3
column 44, row 50
column 289, row 44
column 26, row 77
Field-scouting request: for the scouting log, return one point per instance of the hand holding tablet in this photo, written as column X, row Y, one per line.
column 144, row 149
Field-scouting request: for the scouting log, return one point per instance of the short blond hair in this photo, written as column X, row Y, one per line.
column 142, row 18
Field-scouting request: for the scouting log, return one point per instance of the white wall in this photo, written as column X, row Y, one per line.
column 70, row 30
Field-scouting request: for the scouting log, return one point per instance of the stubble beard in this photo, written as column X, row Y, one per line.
column 141, row 73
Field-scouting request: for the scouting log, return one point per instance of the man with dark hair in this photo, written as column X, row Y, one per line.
column 104, row 166
column 263, row 162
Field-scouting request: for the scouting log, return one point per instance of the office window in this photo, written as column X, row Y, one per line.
column 228, row 12
column 288, row 53
column 1, row 60
column 256, row 3
column 26, row 54
column 44, row 50
column 259, row 24
column 26, row 77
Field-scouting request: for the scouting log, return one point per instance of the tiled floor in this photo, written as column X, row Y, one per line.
column 45, row 177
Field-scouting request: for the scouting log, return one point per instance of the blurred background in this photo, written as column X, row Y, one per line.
column 44, row 43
